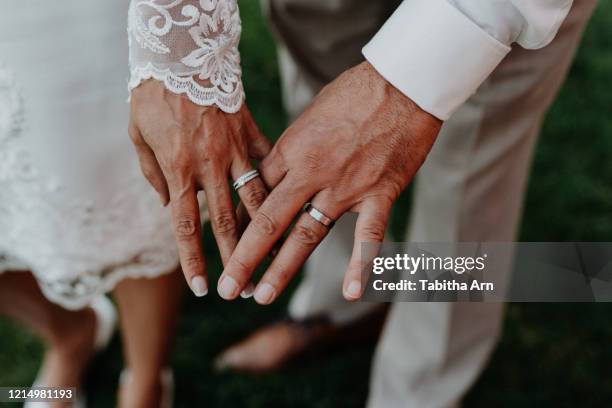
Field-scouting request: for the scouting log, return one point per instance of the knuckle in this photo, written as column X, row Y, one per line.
column 186, row 228
column 223, row 221
column 253, row 196
column 280, row 275
column 238, row 265
column 192, row 262
column 305, row 235
column 374, row 231
column 264, row 224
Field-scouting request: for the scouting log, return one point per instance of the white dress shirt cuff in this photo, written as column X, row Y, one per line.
column 434, row 54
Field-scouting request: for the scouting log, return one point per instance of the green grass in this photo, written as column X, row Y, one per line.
column 550, row 355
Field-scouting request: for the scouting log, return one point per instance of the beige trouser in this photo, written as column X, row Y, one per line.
column 471, row 188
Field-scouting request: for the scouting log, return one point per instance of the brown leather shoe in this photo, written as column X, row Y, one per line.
column 272, row 346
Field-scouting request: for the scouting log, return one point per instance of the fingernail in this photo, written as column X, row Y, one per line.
column 227, row 288
column 264, row 294
column 353, row 290
column 248, row 291
column 199, row 286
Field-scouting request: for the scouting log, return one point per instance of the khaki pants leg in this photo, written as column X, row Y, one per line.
column 470, row 189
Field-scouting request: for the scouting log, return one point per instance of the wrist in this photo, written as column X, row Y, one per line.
column 397, row 98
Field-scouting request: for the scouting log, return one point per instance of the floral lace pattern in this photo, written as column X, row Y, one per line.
column 189, row 45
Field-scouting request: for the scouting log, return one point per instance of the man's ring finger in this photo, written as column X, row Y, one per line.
column 319, row 216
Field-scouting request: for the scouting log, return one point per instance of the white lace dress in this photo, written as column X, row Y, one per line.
column 74, row 206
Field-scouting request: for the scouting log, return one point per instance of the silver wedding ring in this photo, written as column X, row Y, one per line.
column 245, row 178
column 319, row 216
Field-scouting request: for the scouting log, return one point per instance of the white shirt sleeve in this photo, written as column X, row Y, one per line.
column 189, row 45
column 438, row 52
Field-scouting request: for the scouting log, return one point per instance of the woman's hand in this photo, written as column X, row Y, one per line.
column 184, row 148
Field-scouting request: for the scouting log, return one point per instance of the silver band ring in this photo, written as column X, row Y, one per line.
column 319, row 216
column 245, row 178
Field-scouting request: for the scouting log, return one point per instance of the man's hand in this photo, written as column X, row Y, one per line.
column 184, row 148
column 355, row 149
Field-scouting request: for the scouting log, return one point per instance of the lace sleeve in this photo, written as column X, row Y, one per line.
column 189, row 45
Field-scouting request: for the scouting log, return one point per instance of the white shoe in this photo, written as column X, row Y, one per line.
column 166, row 379
column 106, row 321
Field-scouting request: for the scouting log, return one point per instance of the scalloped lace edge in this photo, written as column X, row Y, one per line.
column 164, row 261
column 198, row 94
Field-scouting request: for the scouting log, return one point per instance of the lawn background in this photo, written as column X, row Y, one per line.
column 550, row 355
